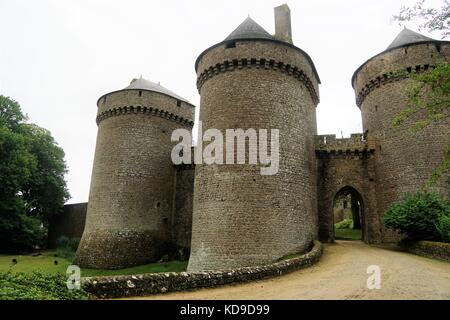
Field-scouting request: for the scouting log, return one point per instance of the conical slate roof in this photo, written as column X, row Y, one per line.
column 249, row 29
column 144, row 84
column 406, row 37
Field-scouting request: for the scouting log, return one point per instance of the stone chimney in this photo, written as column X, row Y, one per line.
column 283, row 23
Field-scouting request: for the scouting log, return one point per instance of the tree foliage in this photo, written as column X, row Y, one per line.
column 32, row 187
column 431, row 19
column 429, row 92
column 443, row 226
column 11, row 115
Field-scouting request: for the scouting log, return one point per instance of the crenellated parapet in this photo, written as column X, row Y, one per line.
column 259, row 63
column 151, row 111
column 357, row 146
column 388, row 77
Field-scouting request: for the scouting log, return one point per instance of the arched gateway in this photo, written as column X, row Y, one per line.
column 346, row 168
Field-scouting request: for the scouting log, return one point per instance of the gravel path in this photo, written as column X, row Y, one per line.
column 341, row 274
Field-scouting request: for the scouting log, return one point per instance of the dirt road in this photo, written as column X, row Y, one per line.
column 341, row 274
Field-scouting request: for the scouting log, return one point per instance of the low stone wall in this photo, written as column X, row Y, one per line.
column 430, row 249
column 152, row 283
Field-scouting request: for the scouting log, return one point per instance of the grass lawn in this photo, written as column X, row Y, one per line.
column 347, row 234
column 46, row 263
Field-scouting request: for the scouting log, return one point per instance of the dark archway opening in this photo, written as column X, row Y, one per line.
column 348, row 217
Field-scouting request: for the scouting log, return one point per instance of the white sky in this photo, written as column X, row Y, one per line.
column 58, row 57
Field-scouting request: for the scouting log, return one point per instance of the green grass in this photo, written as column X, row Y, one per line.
column 347, row 234
column 28, row 264
column 45, row 263
column 170, row 266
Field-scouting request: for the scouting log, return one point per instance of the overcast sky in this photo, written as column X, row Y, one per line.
column 58, row 57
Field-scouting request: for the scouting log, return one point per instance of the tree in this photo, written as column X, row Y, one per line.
column 429, row 92
column 32, row 187
column 46, row 191
column 11, row 115
column 431, row 18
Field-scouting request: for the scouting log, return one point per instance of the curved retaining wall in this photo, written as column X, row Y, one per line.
column 153, row 283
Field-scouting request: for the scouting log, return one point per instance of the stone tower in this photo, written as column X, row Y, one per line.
column 403, row 161
column 132, row 186
column 255, row 80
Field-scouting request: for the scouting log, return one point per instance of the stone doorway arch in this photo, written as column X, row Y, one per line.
column 352, row 208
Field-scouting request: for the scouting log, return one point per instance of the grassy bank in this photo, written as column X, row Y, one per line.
column 347, row 234
column 46, row 263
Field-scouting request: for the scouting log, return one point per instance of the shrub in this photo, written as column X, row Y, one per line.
column 20, row 232
column 417, row 216
column 443, row 226
column 344, row 224
column 67, row 247
column 37, row 286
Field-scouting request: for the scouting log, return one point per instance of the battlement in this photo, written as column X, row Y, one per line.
column 355, row 146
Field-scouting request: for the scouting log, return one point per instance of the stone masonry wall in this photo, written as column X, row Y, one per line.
column 430, row 249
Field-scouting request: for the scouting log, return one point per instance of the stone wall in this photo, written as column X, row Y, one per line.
column 430, row 249
column 70, row 223
column 154, row 283
column 243, row 218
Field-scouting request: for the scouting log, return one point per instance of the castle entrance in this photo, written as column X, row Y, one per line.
column 348, row 214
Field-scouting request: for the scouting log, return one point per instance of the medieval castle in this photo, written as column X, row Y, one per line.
column 142, row 206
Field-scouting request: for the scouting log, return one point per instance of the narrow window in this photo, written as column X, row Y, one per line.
column 231, row 44
column 140, row 93
column 178, row 103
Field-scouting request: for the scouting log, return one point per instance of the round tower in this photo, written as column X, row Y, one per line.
column 132, row 185
column 404, row 161
column 241, row 217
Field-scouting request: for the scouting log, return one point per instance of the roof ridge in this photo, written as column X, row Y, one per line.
column 248, row 29
column 145, row 84
column 408, row 36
